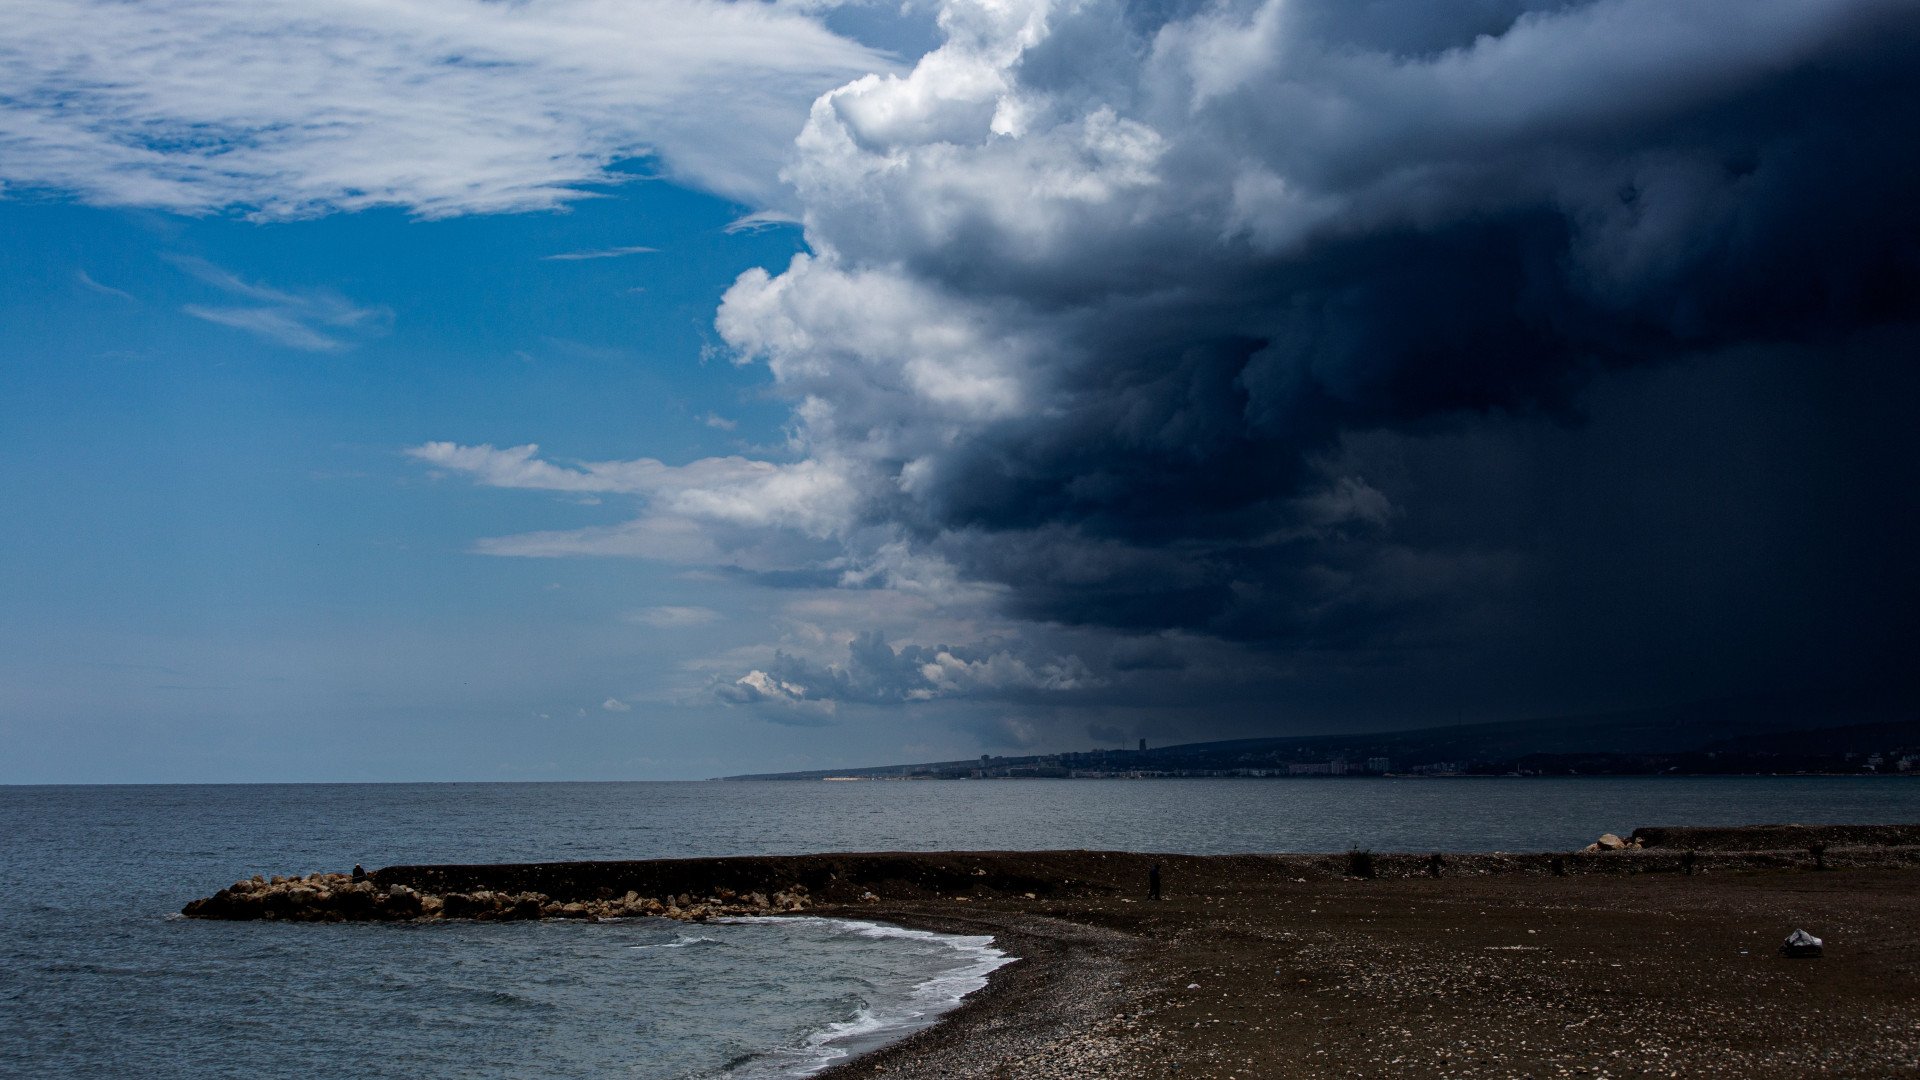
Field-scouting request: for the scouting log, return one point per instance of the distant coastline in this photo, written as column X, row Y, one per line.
column 1782, row 735
column 900, row 777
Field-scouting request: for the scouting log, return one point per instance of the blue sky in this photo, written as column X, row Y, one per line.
column 249, row 261
column 214, row 528
column 452, row 389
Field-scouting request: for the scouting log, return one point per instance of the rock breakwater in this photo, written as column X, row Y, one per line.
column 674, row 888
column 344, row 898
column 774, row 884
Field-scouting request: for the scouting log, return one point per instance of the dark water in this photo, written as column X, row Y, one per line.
column 97, row 979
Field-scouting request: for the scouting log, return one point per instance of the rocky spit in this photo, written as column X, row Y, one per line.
column 333, row 897
column 697, row 889
column 1659, row 957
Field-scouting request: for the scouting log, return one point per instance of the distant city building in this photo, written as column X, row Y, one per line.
column 1377, row 764
column 1143, row 745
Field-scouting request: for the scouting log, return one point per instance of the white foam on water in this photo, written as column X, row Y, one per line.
column 875, row 1023
column 681, row 942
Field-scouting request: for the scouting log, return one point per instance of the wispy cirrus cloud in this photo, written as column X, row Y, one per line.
column 601, row 253
column 730, row 511
column 317, row 320
column 761, row 220
column 441, row 107
column 809, row 496
column 86, row 282
column 672, row 617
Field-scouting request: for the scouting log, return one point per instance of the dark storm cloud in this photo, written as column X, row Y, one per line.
column 1135, row 311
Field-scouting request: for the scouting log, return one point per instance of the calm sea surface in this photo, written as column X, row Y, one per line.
column 98, row 979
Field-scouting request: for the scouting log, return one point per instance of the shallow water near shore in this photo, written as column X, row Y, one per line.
column 98, row 978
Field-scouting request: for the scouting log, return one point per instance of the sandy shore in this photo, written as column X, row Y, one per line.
column 1501, row 975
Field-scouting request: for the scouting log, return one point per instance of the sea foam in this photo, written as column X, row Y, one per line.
column 883, row 1017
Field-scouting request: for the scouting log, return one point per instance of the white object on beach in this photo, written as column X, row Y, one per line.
column 1801, row 944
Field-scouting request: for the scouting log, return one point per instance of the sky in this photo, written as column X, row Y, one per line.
column 662, row 389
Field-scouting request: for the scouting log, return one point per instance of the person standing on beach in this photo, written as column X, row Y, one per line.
column 1153, row 882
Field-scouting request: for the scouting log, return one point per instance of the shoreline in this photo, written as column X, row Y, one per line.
column 1583, row 963
column 1053, row 990
column 878, row 1024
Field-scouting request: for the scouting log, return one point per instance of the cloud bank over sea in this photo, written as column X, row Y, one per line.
column 1100, row 369
column 1289, row 352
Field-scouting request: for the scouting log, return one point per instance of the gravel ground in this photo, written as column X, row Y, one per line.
column 1532, row 975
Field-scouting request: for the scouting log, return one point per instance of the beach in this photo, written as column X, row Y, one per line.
column 1589, row 963
column 1503, row 975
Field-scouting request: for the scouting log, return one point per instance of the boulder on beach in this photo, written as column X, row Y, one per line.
column 1802, row 945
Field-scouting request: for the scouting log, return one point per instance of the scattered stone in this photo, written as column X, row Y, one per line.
column 402, row 902
column 1801, row 945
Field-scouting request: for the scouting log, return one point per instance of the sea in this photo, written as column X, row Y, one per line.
column 99, row 976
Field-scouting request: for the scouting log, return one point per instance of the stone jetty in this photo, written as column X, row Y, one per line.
column 696, row 889
column 340, row 898
column 692, row 889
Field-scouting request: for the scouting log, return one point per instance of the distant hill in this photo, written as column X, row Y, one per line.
column 1667, row 729
column 1784, row 732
